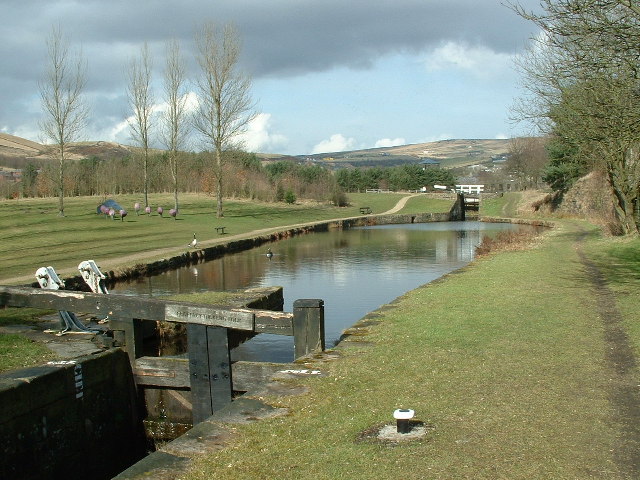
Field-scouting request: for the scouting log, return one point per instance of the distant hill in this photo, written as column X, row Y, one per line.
column 450, row 154
column 16, row 152
column 18, row 145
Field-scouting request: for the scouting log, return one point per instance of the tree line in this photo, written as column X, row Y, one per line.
column 403, row 177
column 247, row 177
column 223, row 107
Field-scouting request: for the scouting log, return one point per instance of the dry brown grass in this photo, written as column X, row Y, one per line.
column 507, row 241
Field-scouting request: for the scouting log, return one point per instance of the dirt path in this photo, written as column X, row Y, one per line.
column 400, row 205
column 622, row 365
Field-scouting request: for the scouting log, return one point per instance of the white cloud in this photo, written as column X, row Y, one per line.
column 388, row 142
column 502, row 136
column 27, row 132
column 337, row 143
column 259, row 138
column 437, row 138
column 119, row 129
column 478, row 60
column 119, row 132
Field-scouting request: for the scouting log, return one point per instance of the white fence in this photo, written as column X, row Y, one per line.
column 470, row 189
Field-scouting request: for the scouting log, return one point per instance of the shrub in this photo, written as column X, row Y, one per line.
column 290, row 197
column 339, row 199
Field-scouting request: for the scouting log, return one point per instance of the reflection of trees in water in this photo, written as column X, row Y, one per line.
column 466, row 244
column 351, row 249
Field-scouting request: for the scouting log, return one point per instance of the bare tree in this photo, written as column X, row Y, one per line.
column 141, row 102
column 527, row 159
column 61, row 93
column 225, row 106
column 583, row 83
column 174, row 128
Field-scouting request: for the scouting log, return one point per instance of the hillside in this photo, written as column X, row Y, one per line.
column 16, row 152
column 450, row 154
column 9, row 143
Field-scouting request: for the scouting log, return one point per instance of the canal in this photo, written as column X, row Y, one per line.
column 354, row 271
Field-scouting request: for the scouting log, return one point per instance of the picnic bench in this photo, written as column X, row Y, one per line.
column 365, row 210
column 220, row 230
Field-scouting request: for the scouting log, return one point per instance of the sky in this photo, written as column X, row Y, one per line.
column 327, row 75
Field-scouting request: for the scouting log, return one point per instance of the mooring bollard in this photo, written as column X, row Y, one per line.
column 308, row 326
column 403, row 416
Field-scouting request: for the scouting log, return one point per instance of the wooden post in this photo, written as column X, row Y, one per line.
column 308, row 326
column 129, row 335
column 209, row 370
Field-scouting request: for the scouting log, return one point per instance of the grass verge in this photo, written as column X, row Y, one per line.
column 619, row 260
column 502, row 206
column 425, row 204
column 16, row 351
column 504, row 363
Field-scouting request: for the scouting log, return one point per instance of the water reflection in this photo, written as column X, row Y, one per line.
column 353, row 271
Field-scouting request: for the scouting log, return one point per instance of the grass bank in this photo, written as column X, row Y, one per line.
column 506, row 363
column 32, row 235
column 619, row 261
column 505, row 205
column 17, row 351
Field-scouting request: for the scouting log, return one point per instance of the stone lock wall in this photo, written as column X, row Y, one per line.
column 73, row 419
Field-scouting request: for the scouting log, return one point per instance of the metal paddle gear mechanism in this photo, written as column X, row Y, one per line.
column 48, row 279
column 93, row 277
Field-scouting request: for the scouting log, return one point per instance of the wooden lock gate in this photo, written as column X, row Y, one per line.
column 210, row 369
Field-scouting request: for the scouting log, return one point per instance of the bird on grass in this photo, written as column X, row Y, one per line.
column 194, row 242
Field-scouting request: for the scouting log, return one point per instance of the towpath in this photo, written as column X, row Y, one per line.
column 400, row 205
column 622, row 365
column 502, row 397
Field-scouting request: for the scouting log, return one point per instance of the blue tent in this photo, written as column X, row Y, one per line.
column 109, row 204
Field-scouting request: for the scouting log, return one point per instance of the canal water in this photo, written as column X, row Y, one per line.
column 354, row 271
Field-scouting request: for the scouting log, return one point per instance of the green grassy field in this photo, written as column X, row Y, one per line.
column 423, row 204
column 32, row 235
column 619, row 260
column 16, row 351
column 503, row 206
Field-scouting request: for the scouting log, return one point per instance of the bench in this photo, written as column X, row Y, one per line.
column 365, row 210
column 220, row 230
